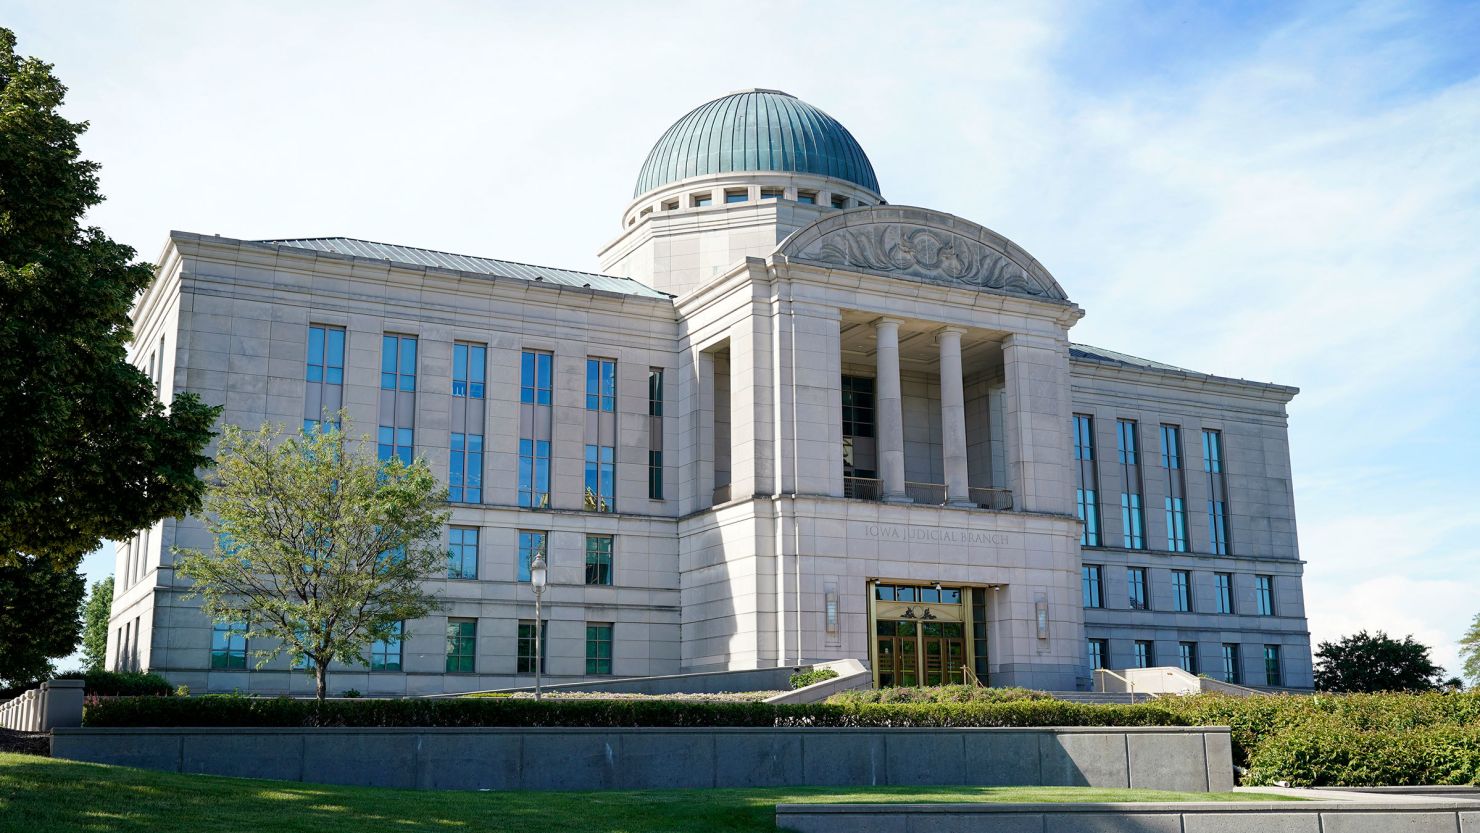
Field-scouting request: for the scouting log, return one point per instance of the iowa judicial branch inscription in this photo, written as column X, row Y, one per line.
column 940, row 536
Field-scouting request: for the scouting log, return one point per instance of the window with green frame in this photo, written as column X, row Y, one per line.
column 598, row 648
column 525, row 649
column 599, row 559
column 462, row 645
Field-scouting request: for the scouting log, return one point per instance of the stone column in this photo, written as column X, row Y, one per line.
column 889, row 410
column 953, row 417
column 1037, row 422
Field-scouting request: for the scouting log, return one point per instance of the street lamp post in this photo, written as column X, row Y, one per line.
column 537, row 579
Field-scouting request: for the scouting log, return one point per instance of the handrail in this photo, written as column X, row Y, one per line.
column 1130, row 686
column 971, row 676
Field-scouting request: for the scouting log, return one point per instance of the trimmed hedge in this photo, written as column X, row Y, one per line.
column 235, row 710
column 802, row 679
column 125, row 684
column 939, row 694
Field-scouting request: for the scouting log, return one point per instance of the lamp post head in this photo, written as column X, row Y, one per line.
column 538, row 574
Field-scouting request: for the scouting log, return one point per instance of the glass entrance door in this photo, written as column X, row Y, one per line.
column 921, row 653
column 945, row 652
column 899, row 652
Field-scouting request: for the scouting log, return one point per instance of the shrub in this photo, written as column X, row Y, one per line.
column 939, row 694
column 238, row 710
column 1326, row 754
column 125, row 684
column 802, row 679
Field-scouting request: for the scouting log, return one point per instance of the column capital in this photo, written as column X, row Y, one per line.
column 950, row 331
column 886, row 321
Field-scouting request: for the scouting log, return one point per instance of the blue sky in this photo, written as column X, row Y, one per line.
column 1286, row 192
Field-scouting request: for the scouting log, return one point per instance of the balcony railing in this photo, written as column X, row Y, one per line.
column 863, row 488
column 926, row 494
column 999, row 500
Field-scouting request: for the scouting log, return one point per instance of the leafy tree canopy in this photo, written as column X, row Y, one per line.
column 87, row 450
column 95, row 625
column 1469, row 651
column 320, row 549
column 40, row 618
column 1366, row 662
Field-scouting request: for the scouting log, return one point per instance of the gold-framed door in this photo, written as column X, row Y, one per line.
column 919, row 634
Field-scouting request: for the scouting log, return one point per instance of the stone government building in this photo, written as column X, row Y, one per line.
column 789, row 423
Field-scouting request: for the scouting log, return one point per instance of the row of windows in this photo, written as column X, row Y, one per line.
column 1229, row 667
column 1092, row 580
column 229, row 647
column 703, row 199
column 325, row 364
column 1132, row 510
column 462, row 554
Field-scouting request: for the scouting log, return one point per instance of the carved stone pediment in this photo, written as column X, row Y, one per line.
column 905, row 242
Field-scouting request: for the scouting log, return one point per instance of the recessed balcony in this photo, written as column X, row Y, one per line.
column 928, row 494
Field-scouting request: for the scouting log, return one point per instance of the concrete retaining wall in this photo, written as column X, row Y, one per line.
column 55, row 703
column 1162, row 758
column 702, row 682
column 1373, row 816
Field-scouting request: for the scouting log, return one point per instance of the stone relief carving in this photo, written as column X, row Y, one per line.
column 927, row 253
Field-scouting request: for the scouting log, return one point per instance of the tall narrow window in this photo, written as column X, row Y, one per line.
column 1176, row 510
column 465, row 456
column 601, row 385
column 531, row 544
column 385, row 654
column 1087, row 494
column 655, row 433
column 1145, row 653
column 1230, row 663
column 228, row 645
column 534, row 473
column 1273, row 675
column 1264, row 590
column 323, row 375
column 600, row 478
column 462, row 552
column 1217, row 492
column 465, row 469
column 598, row 648
column 462, row 645
column 599, row 559
column 1099, row 649
column 396, row 437
column 535, row 377
column 1181, row 591
column 860, row 449
column 1135, row 579
column 1090, row 576
column 525, row 650
column 1223, row 591
column 1132, row 514
column 1187, row 656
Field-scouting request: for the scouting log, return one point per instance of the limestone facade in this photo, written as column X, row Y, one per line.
column 790, row 511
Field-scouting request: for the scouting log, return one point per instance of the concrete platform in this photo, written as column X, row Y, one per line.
column 1321, row 811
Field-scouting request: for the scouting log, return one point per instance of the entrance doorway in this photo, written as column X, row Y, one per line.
column 922, row 635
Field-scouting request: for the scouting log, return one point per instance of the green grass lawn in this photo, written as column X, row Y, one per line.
column 43, row 794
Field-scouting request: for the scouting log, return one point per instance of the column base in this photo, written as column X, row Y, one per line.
column 901, row 497
column 961, row 503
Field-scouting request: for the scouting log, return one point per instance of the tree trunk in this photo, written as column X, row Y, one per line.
column 321, row 680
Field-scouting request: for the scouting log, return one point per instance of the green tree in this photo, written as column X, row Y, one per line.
column 1469, row 652
column 319, row 548
column 40, row 618
column 87, row 450
column 95, row 625
column 1366, row 662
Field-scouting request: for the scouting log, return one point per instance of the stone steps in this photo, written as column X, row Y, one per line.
column 1099, row 697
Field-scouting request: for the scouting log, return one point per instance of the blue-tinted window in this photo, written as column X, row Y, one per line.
column 1090, row 578
column 1125, row 443
column 1171, row 447
column 1145, row 653
column 465, row 469
column 394, row 442
column 1218, row 527
column 1176, row 525
column 468, row 368
column 1136, row 583
column 1181, row 591
column 535, row 377
column 531, row 545
column 1084, row 439
column 534, row 474
column 1187, row 656
column 1212, row 452
column 1231, row 671
column 1273, row 675
column 1132, row 521
column 398, row 362
column 600, row 478
column 1264, row 590
column 601, row 385
column 325, row 355
column 385, row 654
column 1098, row 651
column 462, row 552
column 1223, row 591
column 229, row 645
column 655, row 391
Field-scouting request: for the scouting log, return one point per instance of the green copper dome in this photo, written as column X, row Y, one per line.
column 756, row 130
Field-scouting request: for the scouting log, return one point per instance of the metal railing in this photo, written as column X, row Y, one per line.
column 926, row 494
column 863, row 488
column 999, row 500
